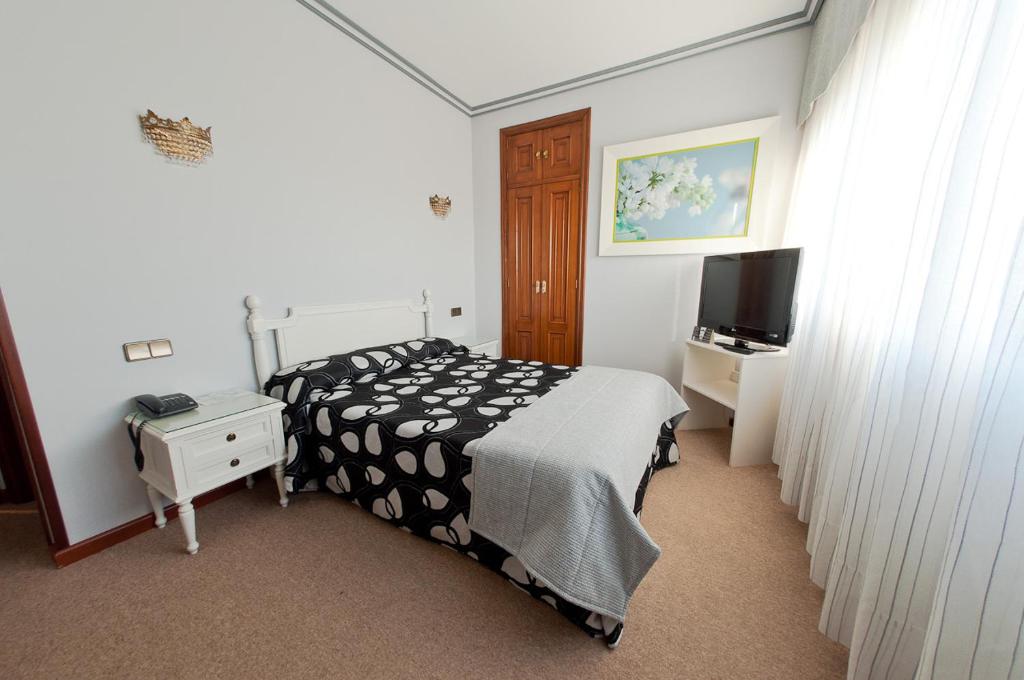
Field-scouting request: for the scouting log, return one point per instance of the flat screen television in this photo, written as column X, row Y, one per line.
column 751, row 296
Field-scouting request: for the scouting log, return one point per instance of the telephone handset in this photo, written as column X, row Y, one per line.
column 167, row 405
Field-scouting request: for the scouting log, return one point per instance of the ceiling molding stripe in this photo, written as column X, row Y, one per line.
column 326, row 11
column 359, row 35
column 622, row 73
column 816, row 10
column 795, row 20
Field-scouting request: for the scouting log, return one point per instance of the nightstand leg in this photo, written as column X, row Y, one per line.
column 279, row 478
column 249, row 482
column 158, row 506
column 187, row 515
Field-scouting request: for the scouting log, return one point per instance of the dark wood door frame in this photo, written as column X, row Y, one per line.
column 26, row 431
column 17, row 485
column 582, row 115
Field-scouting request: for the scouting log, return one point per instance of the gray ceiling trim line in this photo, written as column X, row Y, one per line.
column 623, row 74
column 341, row 22
column 356, row 32
column 783, row 23
column 817, row 10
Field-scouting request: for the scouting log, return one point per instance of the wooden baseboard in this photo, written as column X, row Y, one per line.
column 99, row 542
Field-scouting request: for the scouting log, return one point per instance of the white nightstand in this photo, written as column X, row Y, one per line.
column 480, row 345
column 231, row 435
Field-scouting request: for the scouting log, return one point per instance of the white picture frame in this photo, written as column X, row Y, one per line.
column 626, row 229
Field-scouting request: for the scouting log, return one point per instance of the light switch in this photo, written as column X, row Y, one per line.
column 147, row 349
column 160, row 348
column 456, row 311
column 136, row 351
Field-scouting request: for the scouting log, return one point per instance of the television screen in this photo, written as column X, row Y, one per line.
column 750, row 296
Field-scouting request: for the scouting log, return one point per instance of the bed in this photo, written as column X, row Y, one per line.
column 423, row 433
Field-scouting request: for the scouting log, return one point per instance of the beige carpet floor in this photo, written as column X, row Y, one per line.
column 323, row 589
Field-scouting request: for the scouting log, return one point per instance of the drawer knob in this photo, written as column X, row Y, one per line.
column 234, row 462
column 231, row 437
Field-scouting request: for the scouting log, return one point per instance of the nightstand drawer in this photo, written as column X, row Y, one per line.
column 229, row 464
column 219, row 442
column 225, row 451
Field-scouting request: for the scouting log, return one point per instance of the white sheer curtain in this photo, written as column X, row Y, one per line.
column 903, row 416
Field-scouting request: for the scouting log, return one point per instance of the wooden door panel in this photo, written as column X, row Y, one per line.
column 558, row 350
column 522, row 242
column 558, row 214
column 523, row 159
column 522, row 249
column 562, row 151
column 525, row 346
column 560, row 244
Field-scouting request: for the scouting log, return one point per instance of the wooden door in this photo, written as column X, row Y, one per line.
column 523, row 158
column 521, row 264
column 560, row 249
column 562, row 151
column 544, row 194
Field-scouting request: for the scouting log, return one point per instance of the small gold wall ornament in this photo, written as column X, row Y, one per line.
column 441, row 205
column 178, row 140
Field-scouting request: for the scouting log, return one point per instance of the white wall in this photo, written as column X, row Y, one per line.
column 638, row 309
column 317, row 193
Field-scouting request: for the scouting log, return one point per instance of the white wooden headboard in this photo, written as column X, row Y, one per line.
column 313, row 332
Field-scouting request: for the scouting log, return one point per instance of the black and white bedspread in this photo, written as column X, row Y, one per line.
column 385, row 427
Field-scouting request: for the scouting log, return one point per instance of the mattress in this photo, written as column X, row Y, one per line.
column 386, row 428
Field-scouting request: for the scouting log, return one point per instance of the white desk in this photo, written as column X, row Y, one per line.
column 752, row 400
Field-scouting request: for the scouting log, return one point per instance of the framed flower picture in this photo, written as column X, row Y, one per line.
column 704, row 191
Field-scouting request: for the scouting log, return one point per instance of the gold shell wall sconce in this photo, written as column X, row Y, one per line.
column 441, row 205
column 179, row 140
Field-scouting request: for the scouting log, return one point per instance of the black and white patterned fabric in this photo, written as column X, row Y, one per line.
column 389, row 434
column 300, row 384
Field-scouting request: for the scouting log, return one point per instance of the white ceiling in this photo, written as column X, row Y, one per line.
column 482, row 55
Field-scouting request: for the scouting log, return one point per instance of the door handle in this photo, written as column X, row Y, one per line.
column 536, row 286
column 537, row 155
column 544, row 286
column 544, row 153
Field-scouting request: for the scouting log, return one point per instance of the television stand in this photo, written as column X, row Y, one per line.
column 720, row 385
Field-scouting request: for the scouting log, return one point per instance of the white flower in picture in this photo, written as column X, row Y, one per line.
column 650, row 187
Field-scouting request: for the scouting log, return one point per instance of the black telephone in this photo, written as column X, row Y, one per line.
column 167, row 405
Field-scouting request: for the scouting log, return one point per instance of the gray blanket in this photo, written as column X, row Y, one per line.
column 555, row 484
